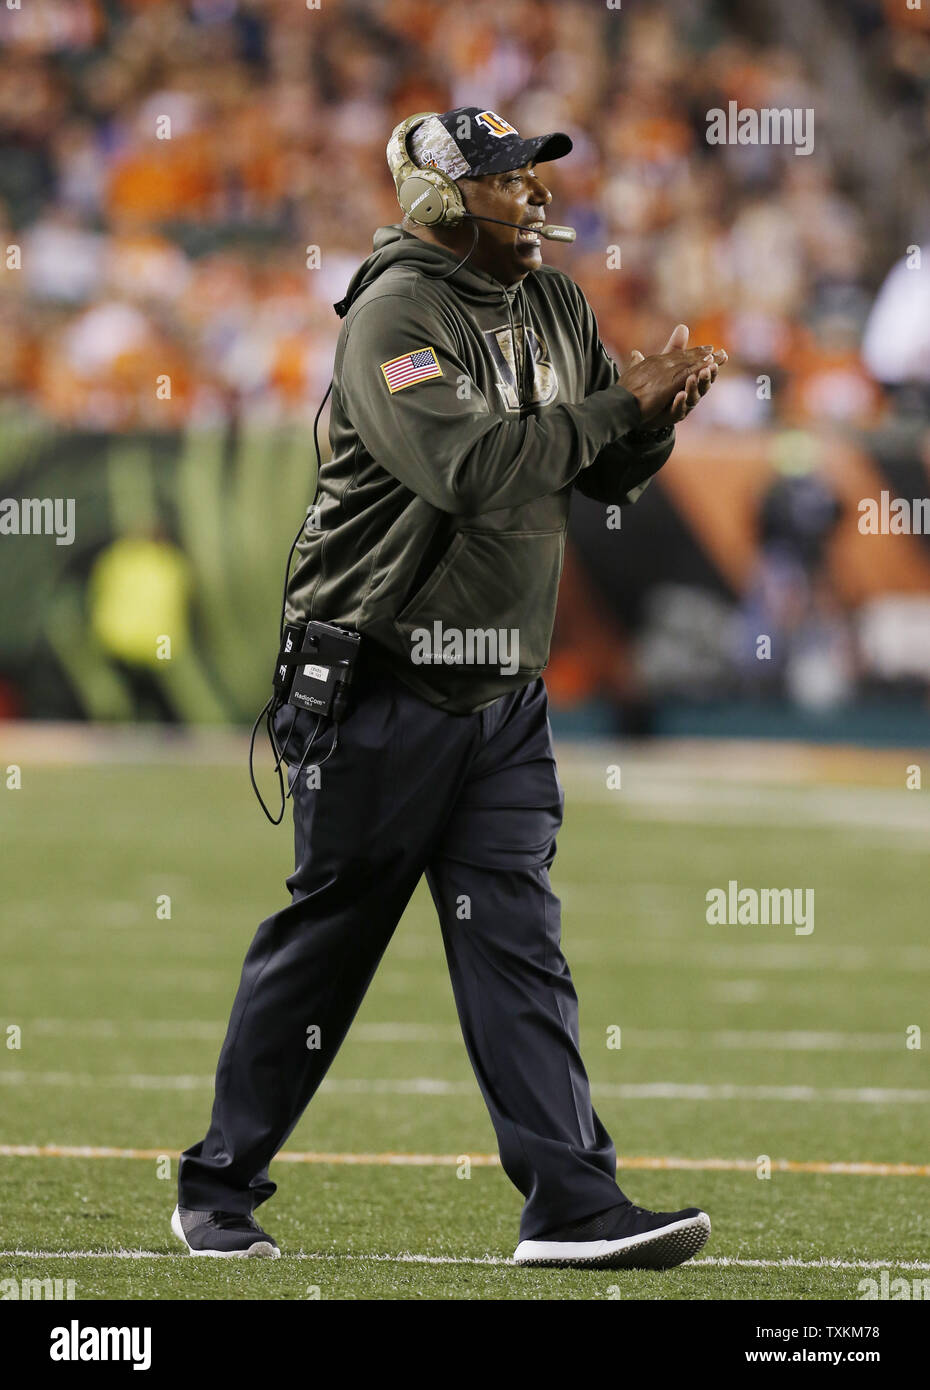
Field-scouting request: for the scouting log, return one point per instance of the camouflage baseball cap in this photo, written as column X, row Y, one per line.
column 469, row 141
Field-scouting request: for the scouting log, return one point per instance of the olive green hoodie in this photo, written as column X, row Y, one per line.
column 440, row 519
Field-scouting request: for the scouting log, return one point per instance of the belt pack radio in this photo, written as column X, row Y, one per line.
column 315, row 666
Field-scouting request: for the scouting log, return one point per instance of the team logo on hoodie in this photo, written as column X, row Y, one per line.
column 520, row 389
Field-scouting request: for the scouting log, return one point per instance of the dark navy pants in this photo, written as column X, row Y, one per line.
column 474, row 802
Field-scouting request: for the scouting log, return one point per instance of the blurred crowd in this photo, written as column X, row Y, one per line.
column 166, row 169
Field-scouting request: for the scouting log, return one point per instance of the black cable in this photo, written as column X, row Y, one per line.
column 292, row 781
column 281, row 752
column 477, row 217
column 270, row 707
column 333, row 746
column 296, row 540
column 458, row 265
column 265, row 710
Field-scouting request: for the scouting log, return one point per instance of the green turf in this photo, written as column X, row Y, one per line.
column 103, row 990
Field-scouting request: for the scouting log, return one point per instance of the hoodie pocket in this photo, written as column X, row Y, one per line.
column 493, row 595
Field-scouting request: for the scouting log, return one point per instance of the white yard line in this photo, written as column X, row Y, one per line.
column 754, row 1040
column 894, row 817
column 750, row 950
column 425, row 1160
column 184, row 1030
column 749, row 954
column 435, row 1086
column 718, row 1262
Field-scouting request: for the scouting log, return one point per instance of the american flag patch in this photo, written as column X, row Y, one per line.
column 413, row 366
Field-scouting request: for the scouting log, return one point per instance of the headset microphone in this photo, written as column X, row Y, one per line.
column 558, row 233
column 551, row 233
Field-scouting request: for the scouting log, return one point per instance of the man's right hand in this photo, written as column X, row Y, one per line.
column 657, row 380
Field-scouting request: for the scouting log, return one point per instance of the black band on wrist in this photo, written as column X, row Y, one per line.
column 654, row 436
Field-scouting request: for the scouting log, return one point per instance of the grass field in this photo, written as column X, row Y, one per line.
column 737, row 1041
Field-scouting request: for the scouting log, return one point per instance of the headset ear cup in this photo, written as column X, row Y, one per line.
column 422, row 200
column 427, row 196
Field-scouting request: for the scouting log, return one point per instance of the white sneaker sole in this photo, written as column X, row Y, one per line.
column 661, row 1249
column 262, row 1249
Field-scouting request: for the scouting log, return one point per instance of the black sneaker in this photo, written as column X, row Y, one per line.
column 623, row 1237
column 223, row 1235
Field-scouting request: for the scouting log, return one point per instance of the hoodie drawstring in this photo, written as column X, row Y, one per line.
column 519, row 369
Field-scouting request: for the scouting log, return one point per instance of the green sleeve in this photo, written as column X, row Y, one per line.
column 622, row 470
column 442, row 439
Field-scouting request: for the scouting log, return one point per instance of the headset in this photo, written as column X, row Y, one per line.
column 428, row 196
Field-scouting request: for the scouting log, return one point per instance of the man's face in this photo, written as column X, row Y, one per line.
column 517, row 195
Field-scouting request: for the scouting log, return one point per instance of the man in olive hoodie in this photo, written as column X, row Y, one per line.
column 471, row 395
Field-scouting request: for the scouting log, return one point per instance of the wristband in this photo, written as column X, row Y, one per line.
column 653, row 436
